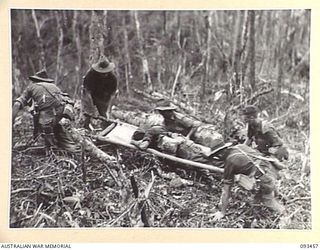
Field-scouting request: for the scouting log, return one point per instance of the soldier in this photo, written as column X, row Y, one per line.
column 247, row 164
column 100, row 86
column 191, row 128
column 263, row 134
column 53, row 107
column 171, row 122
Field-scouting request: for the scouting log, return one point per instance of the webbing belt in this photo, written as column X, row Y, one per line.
column 52, row 95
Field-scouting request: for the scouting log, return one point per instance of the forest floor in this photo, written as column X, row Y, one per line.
column 138, row 189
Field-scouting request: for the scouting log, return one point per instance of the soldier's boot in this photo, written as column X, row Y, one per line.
column 271, row 202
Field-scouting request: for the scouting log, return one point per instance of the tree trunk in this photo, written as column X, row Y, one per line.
column 128, row 70
column 42, row 60
column 160, row 55
column 266, row 48
column 104, row 32
column 281, row 50
column 244, row 53
column 76, row 39
column 252, row 60
column 208, row 22
column 175, row 81
column 87, row 144
column 196, row 28
column 145, row 65
column 159, row 62
column 164, row 27
column 96, row 38
column 237, row 50
column 59, row 68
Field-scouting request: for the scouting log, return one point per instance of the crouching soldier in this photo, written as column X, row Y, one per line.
column 53, row 106
column 263, row 134
column 247, row 164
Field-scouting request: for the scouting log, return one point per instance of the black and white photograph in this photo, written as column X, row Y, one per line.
column 160, row 118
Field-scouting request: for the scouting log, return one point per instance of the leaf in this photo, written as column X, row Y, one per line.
column 73, row 201
column 265, row 113
column 187, row 182
column 148, row 189
column 297, row 96
column 176, row 183
column 218, row 95
column 67, row 216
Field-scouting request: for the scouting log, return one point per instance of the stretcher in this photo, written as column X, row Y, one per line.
column 120, row 133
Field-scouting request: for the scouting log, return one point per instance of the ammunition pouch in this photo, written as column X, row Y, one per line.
column 245, row 181
column 50, row 115
column 68, row 111
column 35, row 110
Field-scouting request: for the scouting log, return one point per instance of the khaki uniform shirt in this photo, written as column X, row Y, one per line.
column 265, row 136
column 47, row 97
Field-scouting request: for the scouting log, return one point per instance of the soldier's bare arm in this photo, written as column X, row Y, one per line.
column 224, row 202
column 15, row 109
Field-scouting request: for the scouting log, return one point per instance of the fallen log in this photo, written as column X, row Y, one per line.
column 85, row 142
column 155, row 96
column 138, row 119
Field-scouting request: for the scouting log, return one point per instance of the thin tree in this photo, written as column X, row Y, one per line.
column 60, row 47
column 104, row 32
column 281, row 47
column 96, row 38
column 180, row 43
column 252, row 61
column 42, row 60
column 245, row 57
column 76, row 40
column 237, row 50
column 128, row 69
column 208, row 24
column 145, row 65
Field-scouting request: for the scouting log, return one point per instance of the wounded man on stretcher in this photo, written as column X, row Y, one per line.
column 157, row 137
